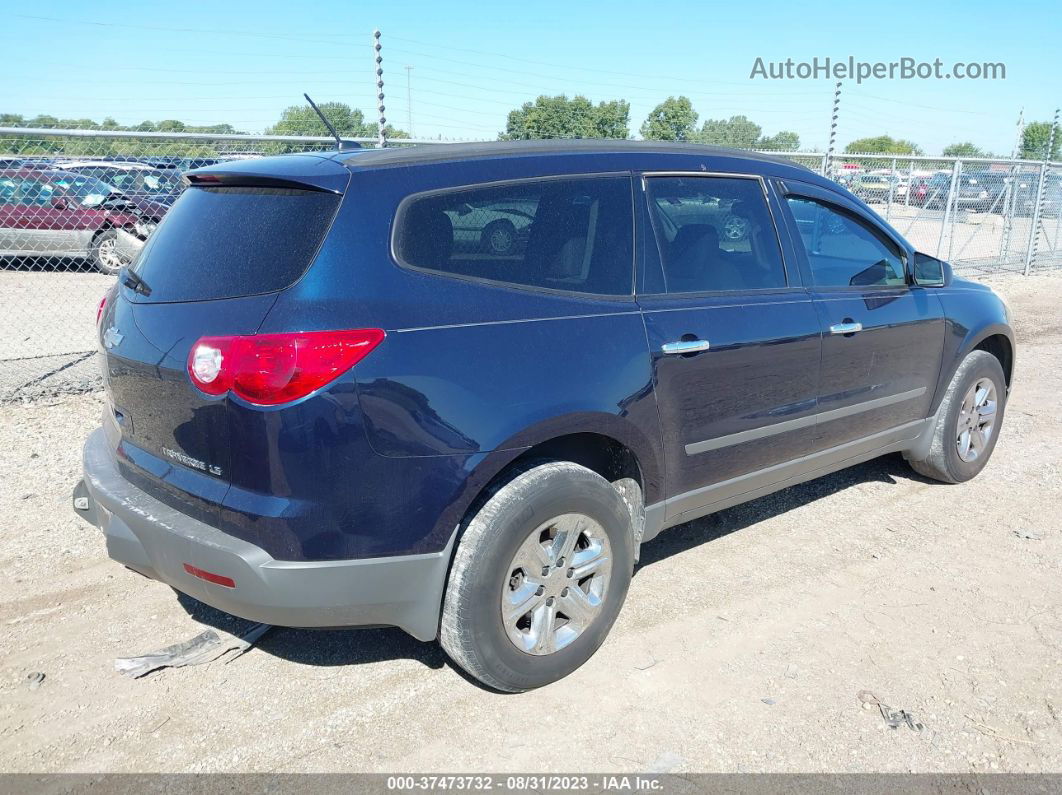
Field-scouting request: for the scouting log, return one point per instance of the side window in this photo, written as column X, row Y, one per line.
column 714, row 233
column 562, row 234
column 31, row 192
column 842, row 252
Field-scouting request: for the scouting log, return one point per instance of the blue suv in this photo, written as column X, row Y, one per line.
column 455, row 388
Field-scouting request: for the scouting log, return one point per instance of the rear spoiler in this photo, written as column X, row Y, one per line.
column 305, row 172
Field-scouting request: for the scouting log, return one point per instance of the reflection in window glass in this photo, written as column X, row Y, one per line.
column 562, row 234
column 714, row 233
column 843, row 252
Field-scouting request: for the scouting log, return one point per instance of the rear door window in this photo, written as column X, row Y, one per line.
column 225, row 242
column 560, row 234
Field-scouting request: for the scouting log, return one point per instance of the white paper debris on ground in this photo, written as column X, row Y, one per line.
column 203, row 648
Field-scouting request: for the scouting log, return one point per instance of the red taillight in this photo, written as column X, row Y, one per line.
column 99, row 309
column 270, row 369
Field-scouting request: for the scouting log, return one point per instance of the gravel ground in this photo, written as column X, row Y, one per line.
column 737, row 651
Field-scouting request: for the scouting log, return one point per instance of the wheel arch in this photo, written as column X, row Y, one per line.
column 996, row 338
column 609, row 445
column 1002, row 347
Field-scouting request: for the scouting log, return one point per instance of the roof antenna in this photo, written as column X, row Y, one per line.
column 340, row 144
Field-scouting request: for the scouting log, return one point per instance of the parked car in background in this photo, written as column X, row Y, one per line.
column 53, row 213
column 497, row 228
column 323, row 410
column 875, row 187
column 139, row 182
column 918, row 191
column 975, row 191
column 1027, row 195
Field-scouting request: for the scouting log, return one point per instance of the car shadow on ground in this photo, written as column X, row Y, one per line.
column 343, row 647
column 323, row 647
column 681, row 538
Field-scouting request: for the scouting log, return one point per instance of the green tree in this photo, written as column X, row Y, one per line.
column 613, row 119
column 964, row 149
column 301, row 120
column 1034, row 141
column 349, row 123
column 43, row 120
column 737, row 131
column 674, row 119
column 560, row 117
column 883, row 144
column 784, row 141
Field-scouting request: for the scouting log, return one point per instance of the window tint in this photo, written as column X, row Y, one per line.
column 843, row 252
column 714, row 233
column 228, row 242
column 25, row 191
column 88, row 191
column 562, row 234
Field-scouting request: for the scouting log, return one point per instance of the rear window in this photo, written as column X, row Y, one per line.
column 225, row 242
column 573, row 234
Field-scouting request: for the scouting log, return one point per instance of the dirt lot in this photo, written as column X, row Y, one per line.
column 743, row 645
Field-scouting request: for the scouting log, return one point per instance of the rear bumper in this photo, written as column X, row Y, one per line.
column 159, row 541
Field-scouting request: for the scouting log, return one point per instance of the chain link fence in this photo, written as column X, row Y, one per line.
column 77, row 204
column 982, row 215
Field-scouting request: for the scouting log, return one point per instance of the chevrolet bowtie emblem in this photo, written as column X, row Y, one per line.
column 112, row 337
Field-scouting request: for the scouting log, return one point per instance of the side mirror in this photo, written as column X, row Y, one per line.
column 59, row 204
column 929, row 271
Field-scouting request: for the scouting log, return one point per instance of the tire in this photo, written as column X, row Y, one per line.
column 104, row 257
column 946, row 461
column 499, row 237
column 472, row 629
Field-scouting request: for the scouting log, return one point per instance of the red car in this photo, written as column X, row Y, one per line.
column 52, row 213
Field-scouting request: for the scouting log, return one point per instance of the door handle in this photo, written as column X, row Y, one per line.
column 685, row 346
column 846, row 328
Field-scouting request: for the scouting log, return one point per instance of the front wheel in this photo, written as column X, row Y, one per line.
column 499, row 238
column 735, row 228
column 104, row 253
column 538, row 578
column 968, row 421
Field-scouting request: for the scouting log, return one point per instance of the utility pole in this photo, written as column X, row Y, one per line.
column 1011, row 192
column 827, row 165
column 1038, row 211
column 409, row 98
column 381, row 124
column 1020, row 135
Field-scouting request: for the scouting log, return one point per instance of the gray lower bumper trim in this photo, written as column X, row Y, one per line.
column 156, row 540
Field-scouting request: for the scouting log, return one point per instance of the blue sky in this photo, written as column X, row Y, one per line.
column 243, row 62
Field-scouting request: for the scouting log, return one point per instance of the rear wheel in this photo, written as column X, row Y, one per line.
column 969, row 420
column 538, row 578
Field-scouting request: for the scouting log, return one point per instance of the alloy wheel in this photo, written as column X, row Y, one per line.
column 557, row 583
column 977, row 420
column 107, row 251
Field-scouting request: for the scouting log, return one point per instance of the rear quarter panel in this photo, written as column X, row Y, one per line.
column 470, row 374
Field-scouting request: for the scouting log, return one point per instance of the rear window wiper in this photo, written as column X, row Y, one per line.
column 134, row 281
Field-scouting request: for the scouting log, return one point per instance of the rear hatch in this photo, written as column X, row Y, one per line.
column 234, row 239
